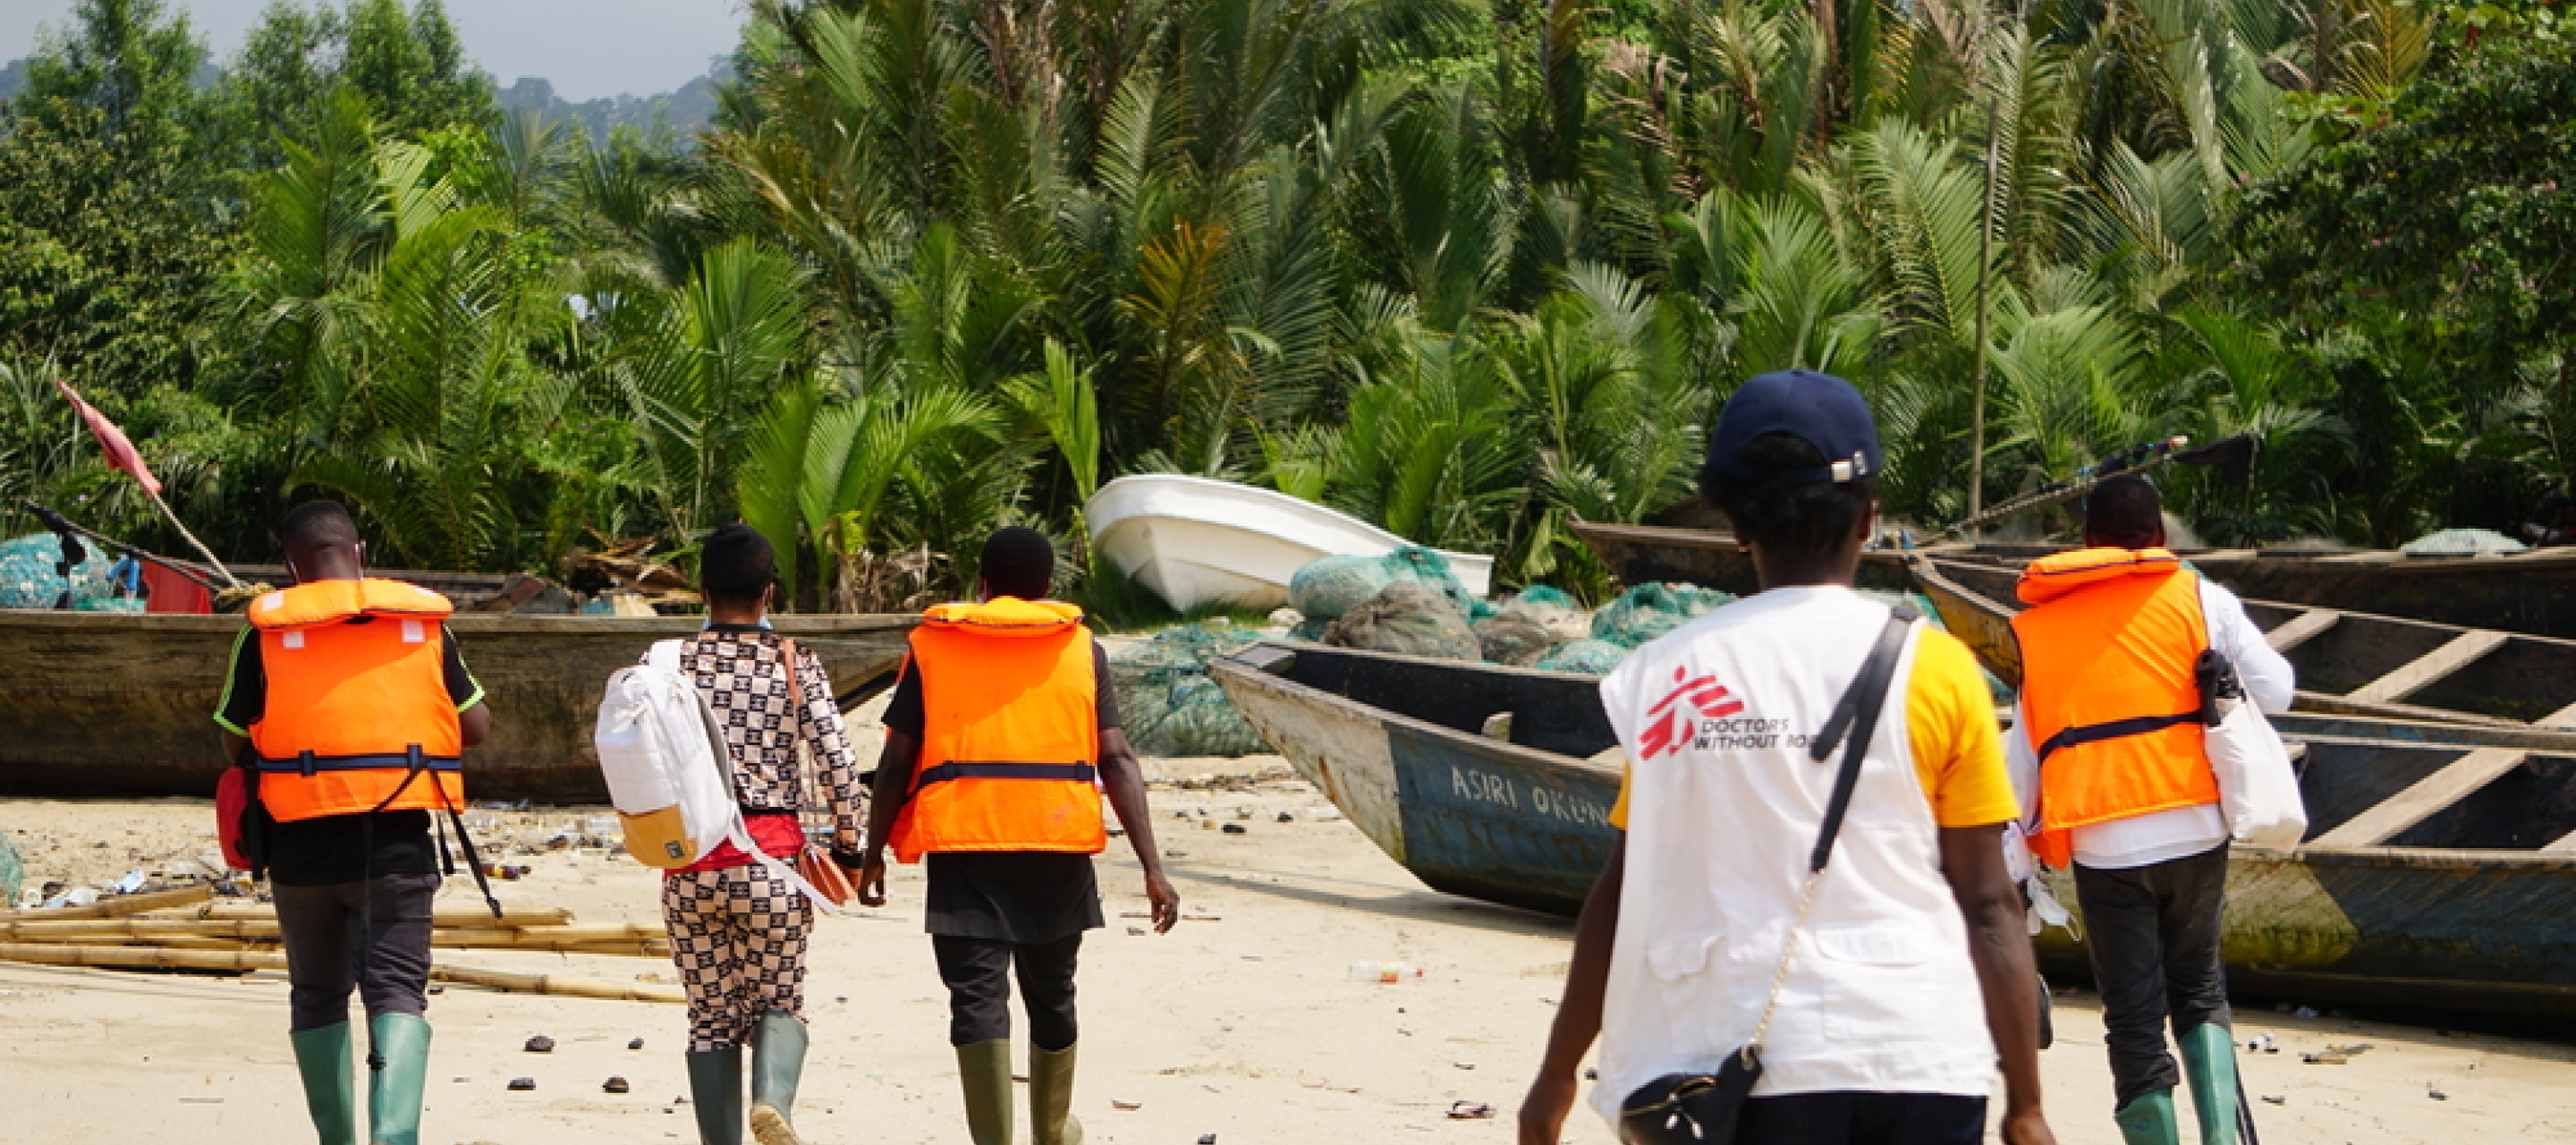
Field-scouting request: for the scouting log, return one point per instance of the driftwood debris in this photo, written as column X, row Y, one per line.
column 626, row 565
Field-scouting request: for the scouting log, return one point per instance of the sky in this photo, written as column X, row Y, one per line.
column 588, row 48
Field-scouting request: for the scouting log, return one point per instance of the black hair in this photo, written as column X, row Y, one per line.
column 734, row 565
column 2125, row 510
column 1794, row 520
column 316, row 525
column 1018, row 561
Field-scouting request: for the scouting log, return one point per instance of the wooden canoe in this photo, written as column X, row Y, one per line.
column 2439, row 871
column 110, row 704
column 1396, row 742
column 2532, row 592
column 2350, row 663
column 1641, row 554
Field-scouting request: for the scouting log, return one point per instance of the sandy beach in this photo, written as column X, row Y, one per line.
column 1242, row 1023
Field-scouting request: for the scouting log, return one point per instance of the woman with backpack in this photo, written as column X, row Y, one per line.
column 738, row 932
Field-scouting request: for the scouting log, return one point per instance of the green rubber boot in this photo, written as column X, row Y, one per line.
column 984, row 1071
column 715, row 1092
column 777, row 1061
column 330, row 1089
column 2149, row 1120
column 2209, row 1065
column 1051, row 1120
column 393, row 1093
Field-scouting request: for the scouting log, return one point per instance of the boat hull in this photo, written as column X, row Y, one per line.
column 2464, row 906
column 108, row 704
column 1197, row 541
column 1466, row 813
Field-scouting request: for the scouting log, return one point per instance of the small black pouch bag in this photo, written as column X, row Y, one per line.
column 1702, row 1108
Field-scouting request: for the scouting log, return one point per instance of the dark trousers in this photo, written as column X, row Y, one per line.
column 1854, row 1117
column 979, row 990
column 339, row 938
column 2153, row 933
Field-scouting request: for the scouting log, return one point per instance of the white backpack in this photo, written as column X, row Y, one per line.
column 669, row 772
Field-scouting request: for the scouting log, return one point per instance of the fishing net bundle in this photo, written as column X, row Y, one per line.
column 1408, row 619
column 1530, row 625
column 28, row 579
column 1650, row 610
column 1586, row 656
column 2463, row 543
column 1169, row 704
column 13, row 871
column 1327, row 587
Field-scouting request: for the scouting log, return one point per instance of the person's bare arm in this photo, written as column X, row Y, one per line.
column 1972, row 859
column 1578, row 1015
column 1124, row 780
column 474, row 723
column 234, row 744
column 893, row 787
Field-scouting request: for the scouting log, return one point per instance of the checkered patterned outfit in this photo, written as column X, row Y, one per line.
column 738, row 934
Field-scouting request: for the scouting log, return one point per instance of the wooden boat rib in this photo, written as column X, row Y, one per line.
column 111, row 704
column 2347, row 662
column 2439, row 869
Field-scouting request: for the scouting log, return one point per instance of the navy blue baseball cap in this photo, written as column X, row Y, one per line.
column 1820, row 409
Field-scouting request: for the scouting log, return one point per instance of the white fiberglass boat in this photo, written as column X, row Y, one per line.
column 1194, row 540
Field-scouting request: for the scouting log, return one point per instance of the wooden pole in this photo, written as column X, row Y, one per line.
column 119, row 906
column 549, row 984
column 165, row 958
column 202, row 550
column 38, row 930
column 476, row 918
column 143, row 957
column 1985, row 271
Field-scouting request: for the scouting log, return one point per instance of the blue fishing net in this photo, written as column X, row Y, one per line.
column 28, row 579
column 1589, row 657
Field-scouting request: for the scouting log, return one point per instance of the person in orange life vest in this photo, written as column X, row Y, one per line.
column 739, row 934
column 353, row 697
column 1910, row 977
column 993, row 736
column 2121, row 790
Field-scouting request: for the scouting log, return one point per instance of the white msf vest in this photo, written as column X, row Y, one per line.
column 1723, row 809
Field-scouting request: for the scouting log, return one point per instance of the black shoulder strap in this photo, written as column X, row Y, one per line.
column 1857, row 714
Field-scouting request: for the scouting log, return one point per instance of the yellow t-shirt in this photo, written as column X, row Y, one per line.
column 1950, row 724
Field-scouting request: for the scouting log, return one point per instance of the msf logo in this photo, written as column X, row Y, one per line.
column 1674, row 720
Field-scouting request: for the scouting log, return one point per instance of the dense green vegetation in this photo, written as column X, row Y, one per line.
column 1469, row 271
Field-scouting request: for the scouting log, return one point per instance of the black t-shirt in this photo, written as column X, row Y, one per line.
column 1007, row 896
column 336, row 848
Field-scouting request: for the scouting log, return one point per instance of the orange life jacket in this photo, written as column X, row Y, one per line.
column 358, row 716
column 2108, row 648
column 1010, row 740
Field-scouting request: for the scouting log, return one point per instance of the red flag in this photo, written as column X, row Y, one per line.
column 120, row 452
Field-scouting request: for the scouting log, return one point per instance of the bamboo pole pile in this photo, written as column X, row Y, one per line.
column 183, row 930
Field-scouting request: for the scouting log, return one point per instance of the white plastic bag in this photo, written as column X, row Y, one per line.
column 2257, row 788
